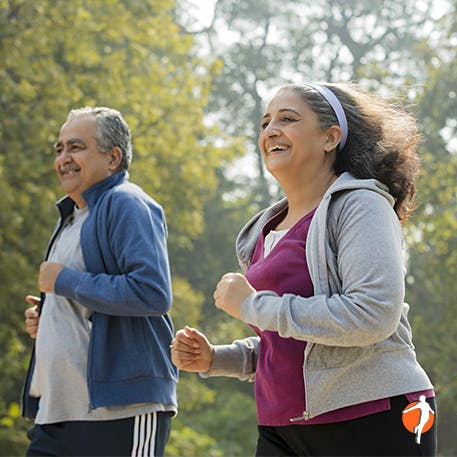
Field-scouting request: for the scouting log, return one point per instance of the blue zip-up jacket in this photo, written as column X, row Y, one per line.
column 127, row 286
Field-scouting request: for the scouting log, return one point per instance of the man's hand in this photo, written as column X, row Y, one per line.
column 191, row 351
column 32, row 317
column 48, row 275
column 231, row 291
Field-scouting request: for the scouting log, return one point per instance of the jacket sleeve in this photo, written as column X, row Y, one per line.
column 136, row 280
column 236, row 360
column 368, row 270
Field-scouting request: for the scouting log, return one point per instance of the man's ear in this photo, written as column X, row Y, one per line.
column 332, row 138
column 115, row 158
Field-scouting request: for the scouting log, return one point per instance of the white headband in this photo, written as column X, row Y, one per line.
column 337, row 108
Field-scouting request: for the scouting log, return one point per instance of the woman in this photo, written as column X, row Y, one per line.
column 333, row 362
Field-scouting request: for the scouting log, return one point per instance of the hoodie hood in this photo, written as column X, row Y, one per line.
column 247, row 238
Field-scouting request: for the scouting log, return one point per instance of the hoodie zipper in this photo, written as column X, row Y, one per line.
column 305, row 414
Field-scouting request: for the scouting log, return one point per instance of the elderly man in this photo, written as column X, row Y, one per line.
column 101, row 381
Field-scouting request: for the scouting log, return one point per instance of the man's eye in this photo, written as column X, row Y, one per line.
column 264, row 125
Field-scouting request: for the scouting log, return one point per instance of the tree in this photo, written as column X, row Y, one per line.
column 58, row 55
column 432, row 235
column 396, row 48
column 220, row 409
column 263, row 46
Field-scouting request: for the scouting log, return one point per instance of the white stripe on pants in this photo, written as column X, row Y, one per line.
column 144, row 435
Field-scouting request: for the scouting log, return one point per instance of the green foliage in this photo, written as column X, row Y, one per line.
column 59, row 55
column 433, row 235
column 391, row 47
column 12, row 431
column 133, row 56
column 235, row 424
column 186, row 441
column 220, row 411
column 187, row 303
column 224, row 214
column 263, row 46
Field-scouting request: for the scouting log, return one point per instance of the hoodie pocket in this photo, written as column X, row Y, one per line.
column 327, row 357
column 119, row 350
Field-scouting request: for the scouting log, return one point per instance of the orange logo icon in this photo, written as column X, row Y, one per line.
column 418, row 417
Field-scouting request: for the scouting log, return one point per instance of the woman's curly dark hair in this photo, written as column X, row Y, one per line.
column 382, row 139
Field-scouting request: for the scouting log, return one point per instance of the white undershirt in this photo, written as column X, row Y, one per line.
column 272, row 239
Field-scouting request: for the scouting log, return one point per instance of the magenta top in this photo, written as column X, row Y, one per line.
column 279, row 383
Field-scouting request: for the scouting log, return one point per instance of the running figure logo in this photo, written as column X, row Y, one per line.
column 418, row 417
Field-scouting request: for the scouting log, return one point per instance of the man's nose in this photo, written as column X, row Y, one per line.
column 62, row 157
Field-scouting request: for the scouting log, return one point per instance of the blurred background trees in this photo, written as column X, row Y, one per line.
column 192, row 93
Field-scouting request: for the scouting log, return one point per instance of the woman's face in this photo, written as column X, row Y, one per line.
column 291, row 139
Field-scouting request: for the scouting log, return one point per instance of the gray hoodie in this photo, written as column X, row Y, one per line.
column 359, row 339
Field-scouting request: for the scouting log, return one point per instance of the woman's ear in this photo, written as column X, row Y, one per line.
column 332, row 138
column 115, row 158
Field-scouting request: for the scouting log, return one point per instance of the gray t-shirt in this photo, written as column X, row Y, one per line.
column 60, row 375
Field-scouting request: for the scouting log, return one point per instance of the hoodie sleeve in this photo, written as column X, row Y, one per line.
column 366, row 270
column 236, row 360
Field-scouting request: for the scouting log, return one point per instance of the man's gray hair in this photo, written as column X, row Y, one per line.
column 112, row 131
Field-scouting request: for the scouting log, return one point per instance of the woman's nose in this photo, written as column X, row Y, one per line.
column 271, row 130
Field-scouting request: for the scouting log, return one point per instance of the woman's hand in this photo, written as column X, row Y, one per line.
column 191, row 351
column 32, row 317
column 231, row 292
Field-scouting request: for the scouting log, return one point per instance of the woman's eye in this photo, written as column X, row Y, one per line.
column 264, row 125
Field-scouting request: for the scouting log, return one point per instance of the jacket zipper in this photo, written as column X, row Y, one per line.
column 31, row 368
column 89, row 366
column 305, row 415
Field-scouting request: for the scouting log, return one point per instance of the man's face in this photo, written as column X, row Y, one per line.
column 78, row 162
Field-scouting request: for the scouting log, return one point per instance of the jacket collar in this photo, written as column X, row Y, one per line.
column 91, row 195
